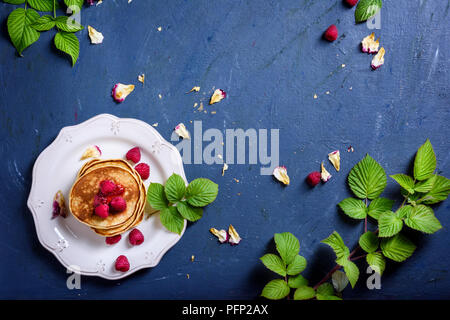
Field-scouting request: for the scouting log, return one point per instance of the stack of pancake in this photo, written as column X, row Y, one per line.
column 86, row 187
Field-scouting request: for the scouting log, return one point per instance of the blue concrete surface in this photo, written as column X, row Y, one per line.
column 270, row 58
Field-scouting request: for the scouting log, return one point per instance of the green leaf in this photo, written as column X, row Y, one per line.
column 398, row 248
column 296, row 266
column 389, row 224
column 68, row 25
column 77, row 3
column 366, row 9
column 425, row 162
column 287, row 245
column 405, row 181
column 42, row 5
column 276, row 290
column 172, row 220
column 304, row 293
column 175, row 188
column 367, row 179
column 351, row 270
column 68, row 43
column 422, row 218
column 322, row 297
column 44, row 23
column 439, row 192
column 404, row 211
column 425, row 185
column 201, row 192
column 274, row 263
column 325, row 289
column 14, row 1
column 378, row 206
column 369, row 242
column 156, row 196
column 337, row 244
column 189, row 212
column 354, row 208
column 21, row 33
column 297, row 281
column 376, row 261
column 339, row 280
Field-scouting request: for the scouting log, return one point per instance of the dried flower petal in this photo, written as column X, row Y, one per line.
column 218, row 95
column 335, row 159
column 225, row 168
column 181, row 130
column 59, row 205
column 369, row 45
column 324, row 174
column 378, row 60
column 96, row 37
column 222, row 235
column 234, row 236
column 141, row 78
column 350, row 149
column 281, row 174
column 196, row 89
column 121, row 91
column 91, row 152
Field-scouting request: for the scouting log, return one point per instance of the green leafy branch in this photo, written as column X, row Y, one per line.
column 177, row 202
column 367, row 180
column 25, row 25
column 366, row 9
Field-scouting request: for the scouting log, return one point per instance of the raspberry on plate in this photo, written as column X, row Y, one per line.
column 134, row 155
column 143, row 169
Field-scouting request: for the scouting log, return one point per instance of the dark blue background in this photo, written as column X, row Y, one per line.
column 271, row 60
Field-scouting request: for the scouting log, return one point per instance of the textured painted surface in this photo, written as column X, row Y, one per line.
column 270, row 58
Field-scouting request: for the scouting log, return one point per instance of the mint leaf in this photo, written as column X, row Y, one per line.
column 42, row 5
column 403, row 212
column 378, row 206
column 425, row 162
column 325, row 289
column 425, row 185
column 275, row 290
column 422, row 218
column 201, row 192
column 296, row 266
column 366, row 9
column 19, row 28
column 405, row 181
column 354, row 208
column 14, row 1
column 68, row 43
column 439, row 192
column 287, row 245
column 337, row 244
column 175, row 188
column 369, row 242
column 351, row 270
column 304, row 293
column 156, row 196
column 398, row 248
column 389, row 224
column 339, row 280
column 68, row 25
column 376, row 261
column 367, row 179
column 76, row 3
column 189, row 212
column 322, row 297
column 274, row 263
column 172, row 220
column 297, row 281
column 44, row 23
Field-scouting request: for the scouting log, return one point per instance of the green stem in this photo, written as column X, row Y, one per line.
column 54, row 9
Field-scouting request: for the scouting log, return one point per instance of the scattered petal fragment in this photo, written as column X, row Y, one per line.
column 59, row 205
column 194, row 89
column 141, row 78
column 324, row 174
column 96, row 37
column 234, row 236
column 217, row 96
column 159, row 29
column 350, row 149
column 121, row 91
column 378, row 60
column 181, row 130
column 281, row 174
column 225, row 168
column 369, row 45
column 335, row 159
column 222, row 235
column 91, row 152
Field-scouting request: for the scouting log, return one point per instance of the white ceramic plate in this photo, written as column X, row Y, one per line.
column 75, row 245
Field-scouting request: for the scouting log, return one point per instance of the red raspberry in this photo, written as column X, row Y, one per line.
column 119, row 190
column 313, row 178
column 136, row 237
column 98, row 200
column 118, row 204
column 143, row 169
column 331, row 33
column 122, row 264
column 107, row 187
column 351, row 3
column 134, row 155
column 102, row 210
column 113, row 240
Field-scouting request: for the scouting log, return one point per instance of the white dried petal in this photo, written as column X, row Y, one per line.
column 335, row 159
column 181, row 130
column 194, row 89
column 141, row 78
column 91, row 152
column 225, row 168
column 59, row 205
column 222, row 235
column 217, row 96
column 121, row 91
column 378, row 60
column 95, row 36
column 369, row 45
column 281, row 174
column 234, row 236
column 324, row 174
